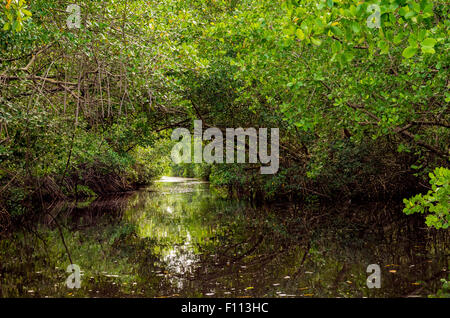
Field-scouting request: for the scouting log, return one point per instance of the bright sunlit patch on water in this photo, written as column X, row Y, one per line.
column 175, row 179
column 180, row 260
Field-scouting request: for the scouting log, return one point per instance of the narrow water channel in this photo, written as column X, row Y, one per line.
column 181, row 238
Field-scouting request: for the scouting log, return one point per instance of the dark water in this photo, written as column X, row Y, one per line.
column 183, row 239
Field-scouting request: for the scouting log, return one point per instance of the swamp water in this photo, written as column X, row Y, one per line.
column 181, row 238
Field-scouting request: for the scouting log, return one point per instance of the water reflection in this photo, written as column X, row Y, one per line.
column 181, row 238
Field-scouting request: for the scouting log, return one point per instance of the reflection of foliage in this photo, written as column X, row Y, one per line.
column 436, row 202
column 444, row 292
column 191, row 170
column 184, row 240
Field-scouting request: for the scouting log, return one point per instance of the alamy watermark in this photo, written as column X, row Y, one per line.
column 374, row 279
column 213, row 152
column 74, row 19
column 374, row 20
column 74, row 279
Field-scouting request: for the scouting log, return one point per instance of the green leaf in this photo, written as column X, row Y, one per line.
column 398, row 38
column 430, row 42
column 409, row 52
column 428, row 49
column 300, row 34
column 26, row 12
column 336, row 46
column 410, row 14
column 355, row 27
column 15, row 26
column 349, row 56
column 403, row 11
column 336, row 31
column 421, row 35
column 384, row 46
column 316, row 41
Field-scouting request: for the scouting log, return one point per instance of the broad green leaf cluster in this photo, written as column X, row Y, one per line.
column 436, row 203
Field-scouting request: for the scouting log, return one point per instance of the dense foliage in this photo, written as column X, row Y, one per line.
column 359, row 90
column 436, row 201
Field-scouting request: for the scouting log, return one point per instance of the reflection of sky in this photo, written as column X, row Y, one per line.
column 169, row 215
column 175, row 179
column 180, row 260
